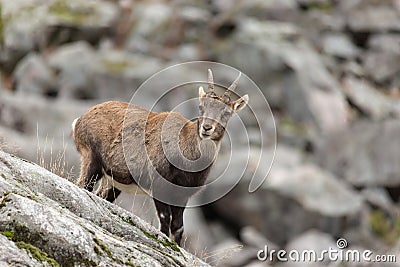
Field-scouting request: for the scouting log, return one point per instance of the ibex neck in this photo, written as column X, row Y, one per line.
column 193, row 147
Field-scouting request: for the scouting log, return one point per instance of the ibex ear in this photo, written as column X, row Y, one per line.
column 201, row 92
column 239, row 104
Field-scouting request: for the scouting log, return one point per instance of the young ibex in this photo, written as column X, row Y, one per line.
column 123, row 144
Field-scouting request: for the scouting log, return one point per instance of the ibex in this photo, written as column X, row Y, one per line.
column 125, row 144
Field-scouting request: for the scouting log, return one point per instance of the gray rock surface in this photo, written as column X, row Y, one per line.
column 56, row 21
column 365, row 155
column 277, row 53
column 339, row 45
column 312, row 240
column 293, row 192
column 86, row 73
column 74, row 63
column 39, row 116
column 32, row 75
column 50, row 221
column 370, row 101
column 370, row 15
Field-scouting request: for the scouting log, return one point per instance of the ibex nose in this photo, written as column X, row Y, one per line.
column 207, row 127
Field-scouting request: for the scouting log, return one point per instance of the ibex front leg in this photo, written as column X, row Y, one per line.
column 177, row 223
column 164, row 214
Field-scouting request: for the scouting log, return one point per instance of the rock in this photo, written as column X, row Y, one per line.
column 43, row 214
column 370, row 15
column 315, row 241
column 39, row 129
column 279, row 10
column 312, row 94
column 370, row 101
column 383, row 52
column 313, row 3
column 12, row 254
column 151, row 23
column 39, row 116
column 118, row 74
column 319, row 21
column 293, row 133
column 293, row 192
column 339, row 45
column 276, row 54
column 33, row 76
column 388, row 66
column 187, row 52
column 365, row 155
column 75, row 64
column 141, row 205
column 80, row 20
column 352, row 68
column 10, row 115
column 105, row 74
column 379, row 197
column 385, row 42
column 251, row 237
column 56, row 21
column 318, row 191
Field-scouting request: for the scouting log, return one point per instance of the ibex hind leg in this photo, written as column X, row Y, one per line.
column 91, row 172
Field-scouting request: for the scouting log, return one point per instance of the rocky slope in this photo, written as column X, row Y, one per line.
column 47, row 221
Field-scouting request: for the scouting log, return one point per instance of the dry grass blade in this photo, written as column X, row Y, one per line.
column 56, row 161
column 214, row 257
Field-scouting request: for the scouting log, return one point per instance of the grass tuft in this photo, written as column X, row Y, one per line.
column 57, row 163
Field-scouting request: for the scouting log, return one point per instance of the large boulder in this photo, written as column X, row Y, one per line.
column 367, row 154
column 47, row 221
column 56, row 21
column 383, row 52
column 86, row 73
column 370, row 101
column 74, row 64
column 370, row 15
column 34, row 76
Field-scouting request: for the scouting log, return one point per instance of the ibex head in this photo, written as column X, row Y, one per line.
column 216, row 110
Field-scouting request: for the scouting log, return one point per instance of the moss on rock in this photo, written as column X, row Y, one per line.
column 37, row 253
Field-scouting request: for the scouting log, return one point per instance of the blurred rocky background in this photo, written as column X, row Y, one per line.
column 329, row 69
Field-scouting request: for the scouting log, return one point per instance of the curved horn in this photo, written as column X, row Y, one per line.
column 233, row 86
column 210, row 81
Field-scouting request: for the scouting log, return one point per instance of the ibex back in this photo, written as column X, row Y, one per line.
column 125, row 145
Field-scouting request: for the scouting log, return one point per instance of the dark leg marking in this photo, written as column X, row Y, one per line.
column 177, row 223
column 112, row 194
column 164, row 214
